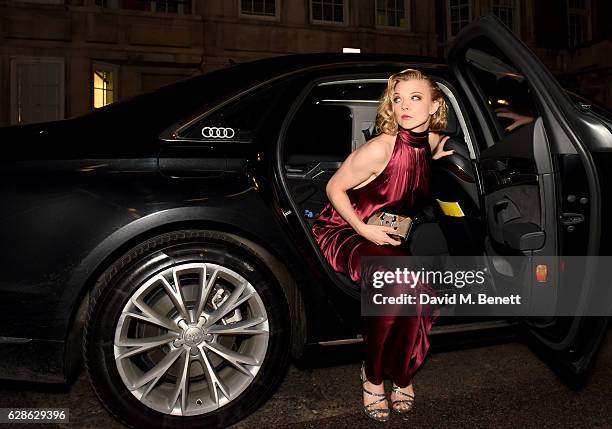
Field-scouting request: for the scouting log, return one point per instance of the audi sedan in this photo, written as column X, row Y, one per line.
column 165, row 240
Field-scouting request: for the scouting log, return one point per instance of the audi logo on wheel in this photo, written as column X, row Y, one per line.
column 218, row 132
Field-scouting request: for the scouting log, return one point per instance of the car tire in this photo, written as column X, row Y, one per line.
column 243, row 351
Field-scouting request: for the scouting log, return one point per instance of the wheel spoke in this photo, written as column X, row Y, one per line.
column 140, row 345
column 182, row 385
column 174, row 292
column 214, row 382
column 154, row 374
column 234, row 358
column 204, row 291
column 151, row 316
column 244, row 327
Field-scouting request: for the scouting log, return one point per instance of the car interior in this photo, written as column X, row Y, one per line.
column 335, row 119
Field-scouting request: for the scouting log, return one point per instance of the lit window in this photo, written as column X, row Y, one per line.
column 578, row 24
column 327, row 11
column 459, row 15
column 392, row 13
column 37, row 90
column 506, row 10
column 103, row 87
column 258, row 7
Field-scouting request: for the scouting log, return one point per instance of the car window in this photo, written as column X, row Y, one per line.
column 361, row 97
column 505, row 93
column 321, row 129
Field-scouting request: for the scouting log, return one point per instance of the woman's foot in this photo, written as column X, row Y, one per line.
column 402, row 398
column 375, row 403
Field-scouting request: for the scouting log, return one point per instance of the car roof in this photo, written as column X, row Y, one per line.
column 299, row 61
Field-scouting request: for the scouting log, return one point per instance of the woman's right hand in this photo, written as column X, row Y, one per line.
column 378, row 234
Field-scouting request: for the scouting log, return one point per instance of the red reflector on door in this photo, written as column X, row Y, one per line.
column 541, row 273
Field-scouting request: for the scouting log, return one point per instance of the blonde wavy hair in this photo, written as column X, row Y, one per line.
column 385, row 120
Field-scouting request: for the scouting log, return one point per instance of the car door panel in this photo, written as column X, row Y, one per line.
column 524, row 177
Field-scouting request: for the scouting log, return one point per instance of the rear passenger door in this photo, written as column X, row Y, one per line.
column 530, row 158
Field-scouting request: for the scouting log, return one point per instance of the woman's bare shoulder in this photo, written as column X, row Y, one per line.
column 378, row 147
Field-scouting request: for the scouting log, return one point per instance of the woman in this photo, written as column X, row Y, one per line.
column 389, row 172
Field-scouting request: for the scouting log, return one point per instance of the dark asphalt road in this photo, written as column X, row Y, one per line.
column 501, row 385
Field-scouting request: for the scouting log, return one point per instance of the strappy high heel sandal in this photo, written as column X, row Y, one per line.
column 378, row 414
column 409, row 402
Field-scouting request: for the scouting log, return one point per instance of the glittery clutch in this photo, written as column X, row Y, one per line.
column 402, row 224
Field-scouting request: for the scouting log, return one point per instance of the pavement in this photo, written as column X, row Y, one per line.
column 495, row 385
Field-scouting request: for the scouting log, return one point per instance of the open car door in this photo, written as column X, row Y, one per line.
column 540, row 194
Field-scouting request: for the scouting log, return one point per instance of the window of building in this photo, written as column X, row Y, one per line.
column 43, row 1
column 578, row 22
column 171, row 6
column 328, row 11
column 507, row 11
column 181, row 7
column 104, row 85
column 459, row 15
column 392, row 13
column 259, row 8
column 37, row 90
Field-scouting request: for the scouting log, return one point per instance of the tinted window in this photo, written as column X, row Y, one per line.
column 320, row 131
column 322, row 128
column 505, row 92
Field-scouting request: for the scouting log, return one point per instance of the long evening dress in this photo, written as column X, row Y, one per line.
column 395, row 346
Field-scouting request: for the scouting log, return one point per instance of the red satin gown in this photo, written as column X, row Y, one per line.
column 395, row 346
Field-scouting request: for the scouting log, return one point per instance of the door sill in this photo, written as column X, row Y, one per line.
column 437, row 330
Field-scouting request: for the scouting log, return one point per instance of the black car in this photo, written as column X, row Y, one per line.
column 166, row 238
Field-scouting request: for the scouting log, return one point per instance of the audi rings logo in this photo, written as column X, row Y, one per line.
column 218, row 132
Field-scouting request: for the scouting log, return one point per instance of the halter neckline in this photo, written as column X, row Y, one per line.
column 413, row 138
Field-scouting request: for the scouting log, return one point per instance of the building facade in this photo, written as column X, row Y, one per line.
column 63, row 58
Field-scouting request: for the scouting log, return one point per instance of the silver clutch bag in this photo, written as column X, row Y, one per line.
column 402, row 224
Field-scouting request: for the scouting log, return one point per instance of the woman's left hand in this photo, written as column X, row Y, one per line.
column 437, row 143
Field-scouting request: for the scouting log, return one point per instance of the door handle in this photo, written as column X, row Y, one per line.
column 571, row 218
